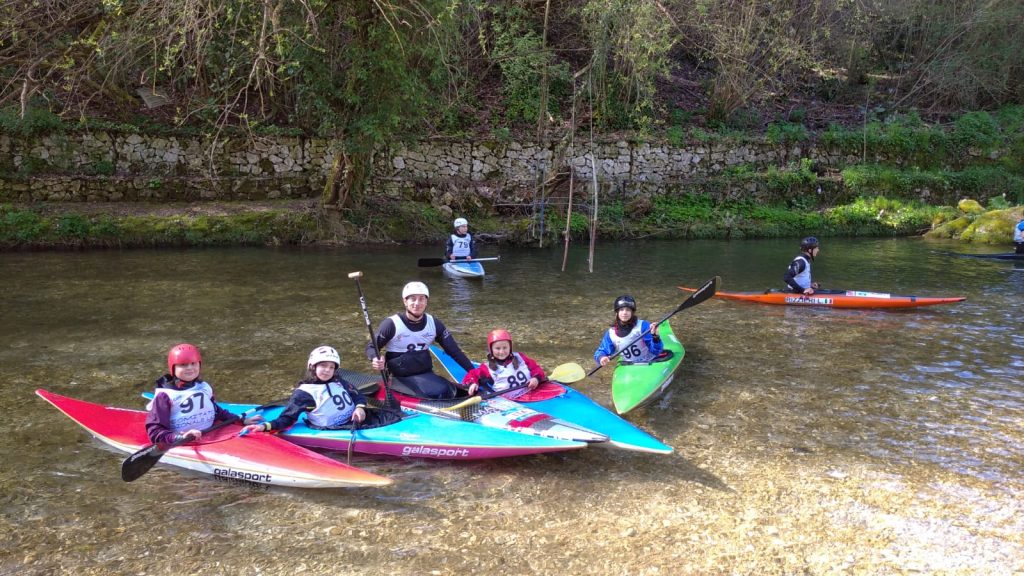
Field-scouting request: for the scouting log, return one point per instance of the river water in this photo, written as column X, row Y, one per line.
column 807, row 441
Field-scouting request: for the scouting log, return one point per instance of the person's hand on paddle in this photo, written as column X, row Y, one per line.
column 261, row 427
column 190, row 435
column 358, row 415
column 604, row 360
column 378, row 363
column 533, row 383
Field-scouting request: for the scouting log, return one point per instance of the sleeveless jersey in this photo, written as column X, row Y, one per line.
column 191, row 408
column 406, row 340
column 637, row 351
column 803, row 278
column 334, row 405
column 1018, row 232
column 460, row 245
column 508, row 376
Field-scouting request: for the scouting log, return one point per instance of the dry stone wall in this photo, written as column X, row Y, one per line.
column 107, row 166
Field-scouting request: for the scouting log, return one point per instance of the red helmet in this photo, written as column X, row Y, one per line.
column 182, row 354
column 496, row 335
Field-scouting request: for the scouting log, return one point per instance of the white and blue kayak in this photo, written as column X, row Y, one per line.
column 416, row 435
column 565, row 403
column 464, row 269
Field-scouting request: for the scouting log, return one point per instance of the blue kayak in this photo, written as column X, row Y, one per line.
column 464, row 269
column 565, row 403
column 417, row 435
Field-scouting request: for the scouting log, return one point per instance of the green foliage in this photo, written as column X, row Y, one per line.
column 785, row 133
column 982, row 181
column 520, row 54
column 36, row 121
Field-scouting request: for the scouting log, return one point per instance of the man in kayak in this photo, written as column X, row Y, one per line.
column 798, row 275
column 460, row 245
column 624, row 333
column 1018, row 237
column 405, row 339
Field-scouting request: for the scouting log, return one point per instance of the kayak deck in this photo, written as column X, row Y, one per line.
column 464, row 269
column 257, row 458
column 835, row 299
column 566, row 403
column 634, row 385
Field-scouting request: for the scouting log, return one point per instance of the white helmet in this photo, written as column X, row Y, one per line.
column 461, row 222
column 415, row 288
column 323, row 354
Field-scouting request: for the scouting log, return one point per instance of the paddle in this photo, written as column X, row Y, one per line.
column 563, row 373
column 390, row 401
column 430, row 262
column 703, row 293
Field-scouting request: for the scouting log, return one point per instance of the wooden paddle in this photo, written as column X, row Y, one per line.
column 430, row 262
column 703, row 293
column 563, row 373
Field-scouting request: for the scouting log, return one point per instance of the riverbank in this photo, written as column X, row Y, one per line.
column 75, row 225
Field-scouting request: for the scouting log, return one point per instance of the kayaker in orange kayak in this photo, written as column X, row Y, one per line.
column 798, row 275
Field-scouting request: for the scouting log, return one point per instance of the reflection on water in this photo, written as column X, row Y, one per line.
column 768, row 399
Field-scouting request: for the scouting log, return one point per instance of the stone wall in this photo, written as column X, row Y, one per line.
column 106, row 166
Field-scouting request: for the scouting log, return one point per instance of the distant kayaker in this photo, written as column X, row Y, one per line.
column 405, row 339
column 624, row 330
column 798, row 275
column 1018, row 237
column 460, row 245
column 327, row 399
column 183, row 404
column 504, row 369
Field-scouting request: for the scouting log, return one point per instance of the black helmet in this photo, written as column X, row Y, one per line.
column 809, row 243
column 625, row 301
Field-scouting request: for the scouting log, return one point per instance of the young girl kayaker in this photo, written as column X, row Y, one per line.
column 624, row 330
column 504, row 369
column 183, row 404
column 325, row 397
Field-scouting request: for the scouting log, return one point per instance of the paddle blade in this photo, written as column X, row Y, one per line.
column 140, row 462
column 428, row 262
column 567, row 373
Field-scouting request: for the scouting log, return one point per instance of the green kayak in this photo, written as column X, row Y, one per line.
column 636, row 384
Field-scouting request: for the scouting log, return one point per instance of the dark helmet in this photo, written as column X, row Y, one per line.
column 809, row 243
column 625, row 301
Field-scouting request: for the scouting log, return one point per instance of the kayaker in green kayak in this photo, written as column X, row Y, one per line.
column 623, row 334
column 798, row 275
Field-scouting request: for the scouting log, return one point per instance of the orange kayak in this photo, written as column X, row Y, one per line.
column 834, row 299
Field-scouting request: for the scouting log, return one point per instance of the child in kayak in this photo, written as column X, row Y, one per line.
column 798, row 275
column 504, row 369
column 327, row 399
column 183, row 404
column 460, row 245
column 623, row 334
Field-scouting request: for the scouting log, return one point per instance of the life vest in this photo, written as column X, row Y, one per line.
column 191, row 408
column 635, row 352
column 334, row 404
column 406, row 340
column 509, row 376
column 461, row 245
column 803, row 278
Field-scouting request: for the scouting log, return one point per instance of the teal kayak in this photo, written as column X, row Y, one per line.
column 565, row 403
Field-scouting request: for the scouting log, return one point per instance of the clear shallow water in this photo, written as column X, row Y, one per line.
column 924, row 398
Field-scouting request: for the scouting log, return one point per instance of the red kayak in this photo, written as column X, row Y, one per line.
column 259, row 458
column 834, row 299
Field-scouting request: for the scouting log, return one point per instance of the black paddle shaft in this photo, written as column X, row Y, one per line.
column 369, row 325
